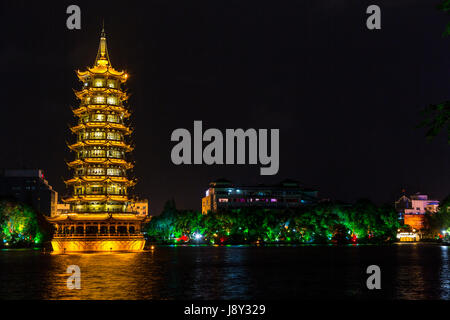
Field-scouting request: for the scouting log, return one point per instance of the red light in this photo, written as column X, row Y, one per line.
column 183, row 238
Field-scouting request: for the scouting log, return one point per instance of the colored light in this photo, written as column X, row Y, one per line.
column 197, row 236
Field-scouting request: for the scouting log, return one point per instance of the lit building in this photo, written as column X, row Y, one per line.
column 412, row 209
column 30, row 187
column 62, row 208
column 222, row 194
column 140, row 206
column 101, row 215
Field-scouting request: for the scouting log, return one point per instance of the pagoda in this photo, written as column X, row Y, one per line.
column 101, row 215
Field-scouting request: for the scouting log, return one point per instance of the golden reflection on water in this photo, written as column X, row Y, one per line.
column 104, row 276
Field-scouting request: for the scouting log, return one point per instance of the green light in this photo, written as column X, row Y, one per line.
column 318, row 224
column 19, row 225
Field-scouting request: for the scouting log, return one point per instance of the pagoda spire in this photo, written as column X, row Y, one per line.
column 102, row 59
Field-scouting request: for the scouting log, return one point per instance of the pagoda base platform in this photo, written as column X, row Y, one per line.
column 98, row 244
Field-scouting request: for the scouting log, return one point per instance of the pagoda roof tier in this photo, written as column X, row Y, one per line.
column 105, row 125
column 96, row 197
column 103, row 107
column 103, row 161
column 118, row 217
column 103, row 179
column 92, row 91
column 104, row 71
column 103, row 143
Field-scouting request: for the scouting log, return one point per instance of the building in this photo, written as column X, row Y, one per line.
column 30, row 187
column 62, row 208
column 222, row 194
column 140, row 206
column 412, row 209
column 101, row 215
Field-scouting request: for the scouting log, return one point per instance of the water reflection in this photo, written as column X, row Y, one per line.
column 445, row 274
column 410, row 275
column 236, row 272
column 103, row 276
column 418, row 270
column 235, row 276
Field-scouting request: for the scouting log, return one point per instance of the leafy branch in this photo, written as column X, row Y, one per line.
column 436, row 119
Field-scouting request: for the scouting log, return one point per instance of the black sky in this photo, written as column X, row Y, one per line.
column 346, row 99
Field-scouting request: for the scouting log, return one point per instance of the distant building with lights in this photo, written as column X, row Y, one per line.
column 412, row 209
column 222, row 194
column 30, row 187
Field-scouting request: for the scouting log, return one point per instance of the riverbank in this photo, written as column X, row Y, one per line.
column 46, row 247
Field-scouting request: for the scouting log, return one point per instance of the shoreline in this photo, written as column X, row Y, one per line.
column 152, row 246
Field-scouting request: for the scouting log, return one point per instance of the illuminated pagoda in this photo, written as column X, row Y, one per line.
column 101, row 215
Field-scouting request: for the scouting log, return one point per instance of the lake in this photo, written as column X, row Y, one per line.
column 408, row 271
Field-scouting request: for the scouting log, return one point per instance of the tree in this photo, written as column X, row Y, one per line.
column 436, row 119
column 362, row 221
column 21, row 226
column 445, row 7
column 440, row 220
column 437, row 116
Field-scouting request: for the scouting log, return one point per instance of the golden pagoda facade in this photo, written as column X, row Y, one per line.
column 102, row 216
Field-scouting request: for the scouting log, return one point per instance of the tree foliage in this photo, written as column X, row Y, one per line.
column 437, row 116
column 436, row 119
column 445, row 7
column 21, row 226
column 440, row 220
column 322, row 223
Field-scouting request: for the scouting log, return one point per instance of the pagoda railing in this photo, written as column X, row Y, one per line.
column 100, row 235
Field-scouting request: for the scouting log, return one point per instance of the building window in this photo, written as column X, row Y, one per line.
column 100, row 99
column 113, row 136
column 113, row 118
column 113, row 172
column 97, row 190
column 98, row 135
column 112, row 100
column 97, row 153
column 99, row 83
column 112, row 84
column 99, row 117
column 115, row 154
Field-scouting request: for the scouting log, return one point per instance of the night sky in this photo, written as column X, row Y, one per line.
column 346, row 100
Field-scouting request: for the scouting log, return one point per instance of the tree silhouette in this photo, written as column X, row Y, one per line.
column 437, row 116
column 436, row 119
column 445, row 7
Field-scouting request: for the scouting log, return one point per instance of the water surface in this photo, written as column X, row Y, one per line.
column 409, row 271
